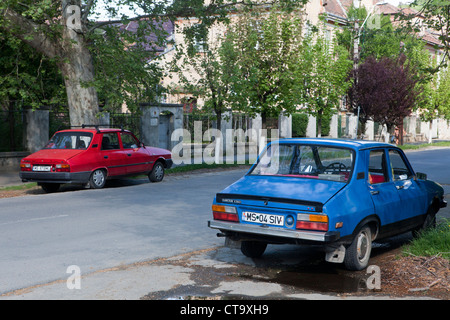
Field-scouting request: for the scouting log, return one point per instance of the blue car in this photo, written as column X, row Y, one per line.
column 339, row 194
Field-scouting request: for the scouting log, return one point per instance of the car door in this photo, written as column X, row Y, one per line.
column 137, row 158
column 112, row 155
column 412, row 197
column 383, row 191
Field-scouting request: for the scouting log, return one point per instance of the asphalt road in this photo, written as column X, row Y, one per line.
column 435, row 162
column 42, row 235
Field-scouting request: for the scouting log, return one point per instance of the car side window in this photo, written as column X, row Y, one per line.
column 128, row 141
column 400, row 170
column 110, row 141
column 377, row 167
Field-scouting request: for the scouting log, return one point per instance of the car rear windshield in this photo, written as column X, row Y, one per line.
column 306, row 161
column 70, row 140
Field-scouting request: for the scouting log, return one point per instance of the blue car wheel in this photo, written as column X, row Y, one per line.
column 358, row 253
column 253, row 249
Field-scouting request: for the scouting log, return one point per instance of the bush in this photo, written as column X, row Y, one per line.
column 326, row 121
column 299, row 124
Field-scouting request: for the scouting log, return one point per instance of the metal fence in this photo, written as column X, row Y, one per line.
column 11, row 130
column 127, row 121
column 58, row 120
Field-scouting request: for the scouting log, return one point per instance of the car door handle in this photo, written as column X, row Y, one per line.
column 399, row 187
column 129, row 154
column 374, row 192
column 105, row 157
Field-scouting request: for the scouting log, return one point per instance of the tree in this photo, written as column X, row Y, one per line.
column 26, row 79
column 214, row 62
column 435, row 96
column 268, row 46
column 26, row 76
column 386, row 90
column 443, row 96
column 62, row 30
column 323, row 74
column 435, row 16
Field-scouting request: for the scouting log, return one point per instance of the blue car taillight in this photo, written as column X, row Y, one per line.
column 226, row 213
column 316, row 222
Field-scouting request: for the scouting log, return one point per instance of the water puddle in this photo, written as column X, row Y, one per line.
column 322, row 278
column 324, row 282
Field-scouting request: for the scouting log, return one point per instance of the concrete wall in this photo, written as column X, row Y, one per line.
column 36, row 128
column 10, row 161
column 150, row 122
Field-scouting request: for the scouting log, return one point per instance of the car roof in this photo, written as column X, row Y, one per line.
column 94, row 130
column 347, row 143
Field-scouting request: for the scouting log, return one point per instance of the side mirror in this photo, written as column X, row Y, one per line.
column 420, row 176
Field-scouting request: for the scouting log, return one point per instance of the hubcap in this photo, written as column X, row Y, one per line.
column 159, row 172
column 363, row 246
column 98, row 177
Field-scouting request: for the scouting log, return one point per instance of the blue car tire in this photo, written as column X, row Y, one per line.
column 253, row 249
column 357, row 254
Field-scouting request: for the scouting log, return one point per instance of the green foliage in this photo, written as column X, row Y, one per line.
column 124, row 74
column 214, row 60
column 299, row 124
column 124, row 71
column 432, row 242
column 404, row 39
column 268, row 46
column 324, row 70
column 26, row 76
column 436, row 18
column 324, row 125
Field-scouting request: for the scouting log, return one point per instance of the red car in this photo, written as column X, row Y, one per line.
column 93, row 155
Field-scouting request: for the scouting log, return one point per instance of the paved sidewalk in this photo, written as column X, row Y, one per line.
column 9, row 178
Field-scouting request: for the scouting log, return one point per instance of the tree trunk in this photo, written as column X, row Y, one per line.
column 263, row 120
column 70, row 49
column 82, row 100
column 77, row 68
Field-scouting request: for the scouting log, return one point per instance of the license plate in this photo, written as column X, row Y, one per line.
column 42, row 168
column 263, row 218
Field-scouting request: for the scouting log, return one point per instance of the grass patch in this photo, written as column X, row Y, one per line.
column 433, row 242
column 192, row 167
column 25, row 186
column 424, row 145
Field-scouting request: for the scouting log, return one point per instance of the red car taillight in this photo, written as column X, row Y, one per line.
column 225, row 213
column 24, row 166
column 64, row 167
column 317, row 222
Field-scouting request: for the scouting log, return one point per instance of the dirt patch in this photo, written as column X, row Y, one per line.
column 415, row 276
column 19, row 193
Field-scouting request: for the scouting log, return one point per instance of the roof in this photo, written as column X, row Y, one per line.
column 164, row 28
column 337, row 8
column 348, row 143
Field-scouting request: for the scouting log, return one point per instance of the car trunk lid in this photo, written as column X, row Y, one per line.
column 50, row 156
column 280, row 192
